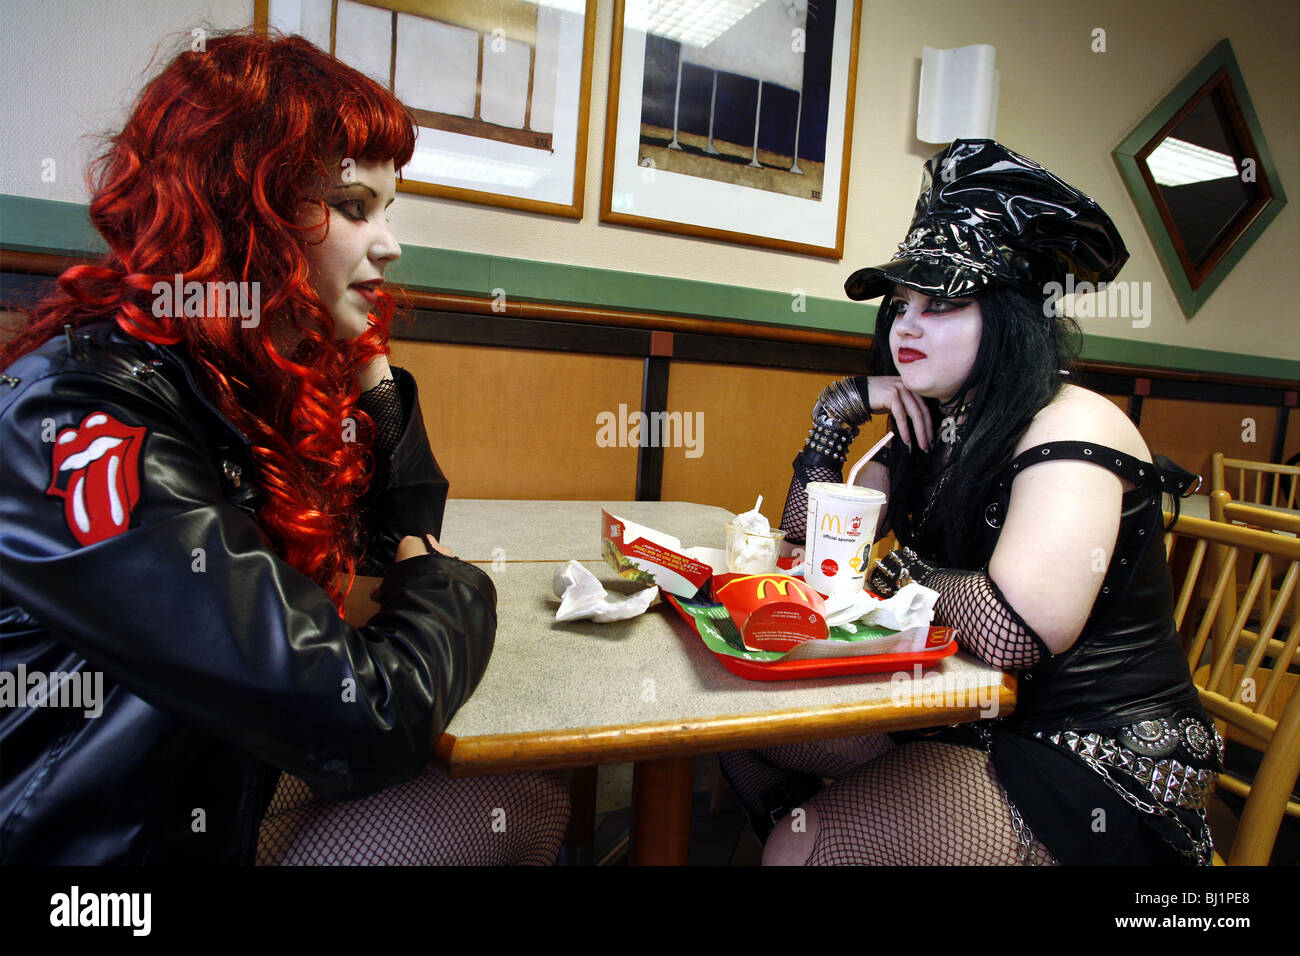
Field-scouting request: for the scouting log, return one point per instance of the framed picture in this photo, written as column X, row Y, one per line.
column 1202, row 177
column 500, row 89
column 733, row 121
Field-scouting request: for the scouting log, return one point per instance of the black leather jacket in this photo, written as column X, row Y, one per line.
column 128, row 550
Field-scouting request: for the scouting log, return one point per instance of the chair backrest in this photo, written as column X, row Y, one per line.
column 1268, row 486
column 1229, row 637
column 1223, row 508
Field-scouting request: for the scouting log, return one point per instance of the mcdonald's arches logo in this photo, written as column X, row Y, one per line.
column 783, row 586
column 772, row 611
column 832, row 522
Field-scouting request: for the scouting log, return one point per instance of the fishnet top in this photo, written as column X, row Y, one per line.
column 383, row 404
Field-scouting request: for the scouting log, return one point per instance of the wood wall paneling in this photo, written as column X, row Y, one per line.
column 514, row 423
column 1191, row 432
column 755, row 422
column 1292, row 445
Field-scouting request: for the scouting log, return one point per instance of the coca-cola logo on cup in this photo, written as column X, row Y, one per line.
column 96, row 472
column 829, row 568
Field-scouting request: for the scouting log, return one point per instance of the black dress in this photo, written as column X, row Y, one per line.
column 1109, row 754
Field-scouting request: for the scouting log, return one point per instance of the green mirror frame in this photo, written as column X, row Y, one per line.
column 1216, row 75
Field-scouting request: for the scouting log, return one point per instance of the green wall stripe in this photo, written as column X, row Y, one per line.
column 41, row 225
column 447, row 270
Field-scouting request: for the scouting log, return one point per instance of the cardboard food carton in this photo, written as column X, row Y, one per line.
column 773, row 612
column 652, row 557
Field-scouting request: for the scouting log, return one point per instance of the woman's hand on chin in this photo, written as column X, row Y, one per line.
column 912, row 416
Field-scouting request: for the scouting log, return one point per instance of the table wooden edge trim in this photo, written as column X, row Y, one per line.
column 627, row 743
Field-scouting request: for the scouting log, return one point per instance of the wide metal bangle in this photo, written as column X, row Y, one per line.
column 844, row 401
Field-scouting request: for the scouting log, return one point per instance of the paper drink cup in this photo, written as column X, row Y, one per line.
column 841, row 529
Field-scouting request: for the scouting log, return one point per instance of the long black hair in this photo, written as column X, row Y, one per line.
column 1022, row 353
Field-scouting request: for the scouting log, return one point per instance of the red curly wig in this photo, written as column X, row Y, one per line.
column 207, row 180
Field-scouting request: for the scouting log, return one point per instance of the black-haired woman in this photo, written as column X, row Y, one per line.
column 1033, row 507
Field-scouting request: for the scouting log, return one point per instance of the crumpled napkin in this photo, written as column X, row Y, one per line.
column 582, row 596
column 912, row 606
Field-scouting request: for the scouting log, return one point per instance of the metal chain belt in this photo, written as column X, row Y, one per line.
column 1168, row 780
column 1185, row 787
column 1202, row 847
column 1028, row 852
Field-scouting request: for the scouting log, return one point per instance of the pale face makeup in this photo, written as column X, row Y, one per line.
column 934, row 342
column 347, row 262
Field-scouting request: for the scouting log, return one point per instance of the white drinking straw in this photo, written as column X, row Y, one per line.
column 868, row 456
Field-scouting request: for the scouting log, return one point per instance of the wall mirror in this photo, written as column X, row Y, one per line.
column 1201, row 175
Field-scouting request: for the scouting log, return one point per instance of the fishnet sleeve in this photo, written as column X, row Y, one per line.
column 987, row 625
column 794, row 519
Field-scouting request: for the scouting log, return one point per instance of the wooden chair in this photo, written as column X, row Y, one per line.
column 1223, row 508
column 1267, row 482
column 1252, row 702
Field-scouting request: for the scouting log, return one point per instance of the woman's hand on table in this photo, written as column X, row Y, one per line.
column 912, row 416
column 411, row 546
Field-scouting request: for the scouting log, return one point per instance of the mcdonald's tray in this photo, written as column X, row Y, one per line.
column 715, row 628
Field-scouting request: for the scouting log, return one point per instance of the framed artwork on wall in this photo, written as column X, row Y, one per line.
column 1202, row 177
column 733, row 120
column 500, row 89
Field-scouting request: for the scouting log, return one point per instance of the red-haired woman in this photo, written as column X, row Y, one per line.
column 202, row 444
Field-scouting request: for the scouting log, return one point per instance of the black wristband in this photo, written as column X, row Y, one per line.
column 828, row 442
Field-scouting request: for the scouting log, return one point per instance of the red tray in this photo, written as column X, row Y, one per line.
column 943, row 639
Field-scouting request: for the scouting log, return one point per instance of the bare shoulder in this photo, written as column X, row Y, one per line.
column 1077, row 414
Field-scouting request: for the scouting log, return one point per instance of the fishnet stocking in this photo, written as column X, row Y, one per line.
column 752, row 773
column 986, row 624
column 432, row 820
column 922, row 804
column 794, row 519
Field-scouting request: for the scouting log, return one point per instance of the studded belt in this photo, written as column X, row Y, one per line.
column 1143, row 751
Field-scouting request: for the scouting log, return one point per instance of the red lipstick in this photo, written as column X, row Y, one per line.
column 368, row 290
column 909, row 355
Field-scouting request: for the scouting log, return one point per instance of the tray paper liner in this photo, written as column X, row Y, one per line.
column 718, row 631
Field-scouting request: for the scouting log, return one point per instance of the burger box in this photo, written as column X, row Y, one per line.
column 642, row 554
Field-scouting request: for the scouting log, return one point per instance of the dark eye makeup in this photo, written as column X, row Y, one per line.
column 935, row 306
column 354, row 209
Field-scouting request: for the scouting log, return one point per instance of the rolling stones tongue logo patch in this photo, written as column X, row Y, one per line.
column 97, row 474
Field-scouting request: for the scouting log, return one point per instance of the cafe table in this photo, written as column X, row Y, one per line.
column 646, row 690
